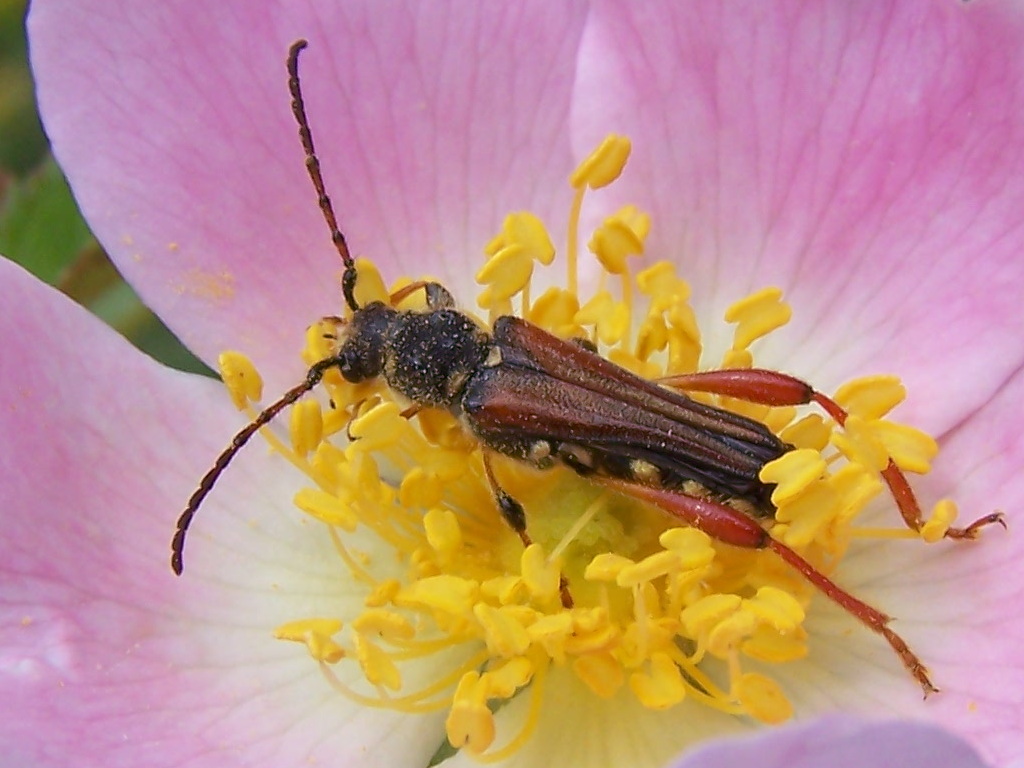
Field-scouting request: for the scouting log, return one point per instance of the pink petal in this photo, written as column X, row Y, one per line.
column 178, row 140
column 106, row 658
column 839, row 743
column 867, row 157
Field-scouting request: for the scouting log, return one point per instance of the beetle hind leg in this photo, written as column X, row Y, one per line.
column 513, row 513
column 765, row 387
column 731, row 526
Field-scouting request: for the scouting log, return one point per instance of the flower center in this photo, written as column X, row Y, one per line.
column 663, row 610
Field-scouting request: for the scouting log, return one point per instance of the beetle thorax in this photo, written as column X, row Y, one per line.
column 430, row 355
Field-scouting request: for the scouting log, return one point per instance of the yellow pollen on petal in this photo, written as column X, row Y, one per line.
column 436, row 587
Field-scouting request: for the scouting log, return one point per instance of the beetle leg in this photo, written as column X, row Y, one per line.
column 438, row 297
column 411, row 411
column 765, row 387
column 514, row 515
column 730, row 526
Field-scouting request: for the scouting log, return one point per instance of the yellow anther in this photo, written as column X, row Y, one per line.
column 854, row 486
column 638, row 221
column 505, row 589
column 377, row 666
column 943, row 515
column 684, row 341
column 871, row 397
column 386, row 624
column 757, row 315
column 420, row 488
column 809, row 432
column 369, row 284
column 378, row 427
column 470, row 724
column 321, row 340
column 770, row 646
column 326, row 507
column 651, row 567
column 383, row 593
column 445, row 592
column 701, row 617
column 443, row 533
column 659, row 281
column 911, row 449
column 604, row 165
column 737, row 358
column 243, row 381
column 540, row 576
column 727, row 635
column 662, row 686
column 601, row 672
column 306, row 426
column 524, row 229
column 693, row 547
column 550, row 632
column 507, row 678
column 808, row 513
column 619, row 237
column 608, row 317
column 316, row 635
column 762, row 698
column 505, row 274
column 859, row 441
column 606, row 567
column 651, row 337
column 505, row 636
column 555, row 310
column 777, row 608
column 601, row 638
column 792, row 473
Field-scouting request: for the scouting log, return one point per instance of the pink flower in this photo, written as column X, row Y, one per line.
column 866, row 157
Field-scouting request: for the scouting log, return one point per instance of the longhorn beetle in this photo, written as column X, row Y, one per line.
column 529, row 395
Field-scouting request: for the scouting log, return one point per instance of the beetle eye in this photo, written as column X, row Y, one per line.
column 350, row 367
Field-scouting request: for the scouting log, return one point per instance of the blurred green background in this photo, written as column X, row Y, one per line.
column 40, row 226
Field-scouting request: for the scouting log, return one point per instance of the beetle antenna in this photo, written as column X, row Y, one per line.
column 348, row 279
column 313, row 377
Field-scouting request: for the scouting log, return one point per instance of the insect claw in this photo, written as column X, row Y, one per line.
column 973, row 530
